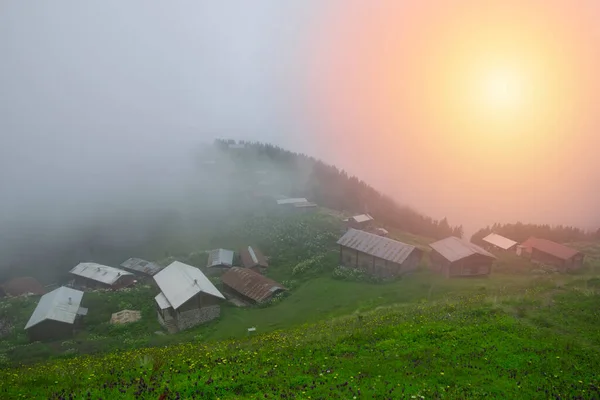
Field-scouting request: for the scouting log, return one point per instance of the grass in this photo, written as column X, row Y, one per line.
column 465, row 346
column 315, row 299
column 515, row 334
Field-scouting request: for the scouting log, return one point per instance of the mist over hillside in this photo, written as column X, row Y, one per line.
column 162, row 211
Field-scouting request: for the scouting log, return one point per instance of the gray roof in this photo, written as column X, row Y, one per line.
column 453, row 249
column 499, row 241
column 219, row 257
column 61, row 305
column 162, row 301
column 305, row 205
column 375, row 245
column 362, row 218
column 99, row 272
column 292, row 201
column 180, row 282
column 142, row 266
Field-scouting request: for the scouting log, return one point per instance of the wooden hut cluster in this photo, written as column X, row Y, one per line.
column 539, row 251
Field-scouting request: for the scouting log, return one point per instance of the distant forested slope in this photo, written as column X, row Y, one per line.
column 520, row 232
column 193, row 211
column 332, row 187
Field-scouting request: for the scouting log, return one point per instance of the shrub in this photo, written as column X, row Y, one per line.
column 354, row 275
column 290, row 284
column 310, row 265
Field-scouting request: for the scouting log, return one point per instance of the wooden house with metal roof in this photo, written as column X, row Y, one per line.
column 98, row 276
column 56, row 315
column 543, row 251
column 250, row 285
column 454, row 257
column 219, row 261
column 379, row 256
column 252, row 258
column 141, row 267
column 494, row 241
column 187, row 297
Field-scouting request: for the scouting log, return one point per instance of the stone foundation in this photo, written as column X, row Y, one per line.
column 197, row 316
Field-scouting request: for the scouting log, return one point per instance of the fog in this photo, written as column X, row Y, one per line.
column 103, row 106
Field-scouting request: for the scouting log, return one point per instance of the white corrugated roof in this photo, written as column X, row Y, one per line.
column 162, row 301
column 453, row 249
column 292, row 201
column 180, row 282
column 362, row 218
column 375, row 245
column 220, row 257
column 252, row 254
column 99, row 272
column 57, row 307
column 500, row 241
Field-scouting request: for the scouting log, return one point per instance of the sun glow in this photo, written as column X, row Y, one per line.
column 505, row 84
column 501, row 89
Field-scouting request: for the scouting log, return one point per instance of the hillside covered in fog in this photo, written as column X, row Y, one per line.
column 185, row 201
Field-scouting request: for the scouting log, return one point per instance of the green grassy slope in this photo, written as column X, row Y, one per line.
column 540, row 342
column 521, row 333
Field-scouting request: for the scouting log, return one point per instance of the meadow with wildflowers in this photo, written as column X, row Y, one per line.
column 516, row 334
column 538, row 341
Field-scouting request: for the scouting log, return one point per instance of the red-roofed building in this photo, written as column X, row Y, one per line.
column 253, row 258
column 249, row 285
column 24, row 286
column 545, row 251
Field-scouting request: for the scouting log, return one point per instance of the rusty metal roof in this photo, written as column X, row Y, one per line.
column 252, row 257
column 142, row 266
column 499, row 241
column 375, row 245
column 549, row 247
column 23, row 286
column 250, row 284
column 454, row 249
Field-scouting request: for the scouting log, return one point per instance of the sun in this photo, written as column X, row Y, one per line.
column 501, row 89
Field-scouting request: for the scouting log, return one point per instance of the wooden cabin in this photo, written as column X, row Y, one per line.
column 379, row 256
column 454, row 257
column 253, row 258
column 187, row 298
column 56, row 315
column 98, row 276
column 543, row 251
column 249, row 285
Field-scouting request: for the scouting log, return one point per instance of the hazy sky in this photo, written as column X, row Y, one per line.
column 99, row 100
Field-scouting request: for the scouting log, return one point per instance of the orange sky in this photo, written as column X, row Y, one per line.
column 408, row 99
